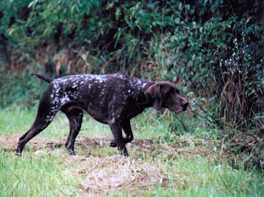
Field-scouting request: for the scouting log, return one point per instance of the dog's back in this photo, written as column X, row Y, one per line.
column 103, row 96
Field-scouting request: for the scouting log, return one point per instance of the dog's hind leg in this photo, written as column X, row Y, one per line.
column 75, row 116
column 45, row 115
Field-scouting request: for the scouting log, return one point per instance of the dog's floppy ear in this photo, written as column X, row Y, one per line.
column 158, row 91
column 154, row 92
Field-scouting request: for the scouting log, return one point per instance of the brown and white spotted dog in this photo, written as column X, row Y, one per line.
column 112, row 99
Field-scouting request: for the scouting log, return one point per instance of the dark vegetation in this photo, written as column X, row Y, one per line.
column 215, row 46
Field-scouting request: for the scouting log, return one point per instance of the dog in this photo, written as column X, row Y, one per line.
column 111, row 99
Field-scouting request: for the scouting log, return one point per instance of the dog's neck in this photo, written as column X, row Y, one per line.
column 146, row 100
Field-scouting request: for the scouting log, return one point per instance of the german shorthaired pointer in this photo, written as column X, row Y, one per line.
column 112, row 99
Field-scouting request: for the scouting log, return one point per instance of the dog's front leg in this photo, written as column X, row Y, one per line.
column 128, row 131
column 126, row 126
column 118, row 138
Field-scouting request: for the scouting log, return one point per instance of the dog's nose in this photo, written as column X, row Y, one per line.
column 185, row 105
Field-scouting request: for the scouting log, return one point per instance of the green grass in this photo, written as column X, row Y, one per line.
column 148, row 125
column 18, row 120
column 34, row 176
column 200, row 177
column 48, row 175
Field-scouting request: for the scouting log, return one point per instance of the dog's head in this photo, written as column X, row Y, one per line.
column 166, row 95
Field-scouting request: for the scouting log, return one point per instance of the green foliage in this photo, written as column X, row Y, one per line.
column 20, row 88
column 41, row 19
column 151, row 38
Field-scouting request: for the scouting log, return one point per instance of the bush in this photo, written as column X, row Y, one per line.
column 156, row 39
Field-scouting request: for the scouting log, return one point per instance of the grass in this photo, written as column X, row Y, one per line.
column 23, row 118
column 200, row 177
column 34, row 176
column 48, row 175
column 157, row 126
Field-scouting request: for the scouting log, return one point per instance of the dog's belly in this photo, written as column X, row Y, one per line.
column 132, row 111
column 97, row 115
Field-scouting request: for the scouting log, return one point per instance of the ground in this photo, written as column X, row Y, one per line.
column 187, row 166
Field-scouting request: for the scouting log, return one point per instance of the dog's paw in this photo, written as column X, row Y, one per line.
column 18, row 151
column 71, row 152
column 124, row 152
column 113, row 144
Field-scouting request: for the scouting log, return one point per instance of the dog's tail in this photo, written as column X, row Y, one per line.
column 42, row 77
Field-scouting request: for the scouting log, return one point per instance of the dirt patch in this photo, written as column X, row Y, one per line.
column 181, row 147
column 114, row 173
column 9, row 143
